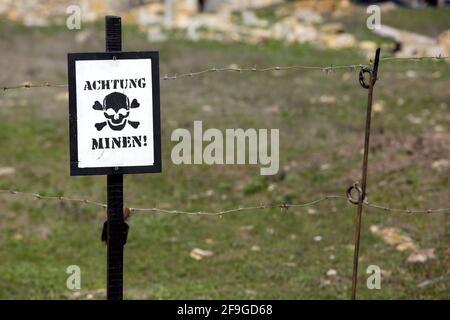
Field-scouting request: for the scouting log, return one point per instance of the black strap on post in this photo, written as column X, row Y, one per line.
column 115, row 222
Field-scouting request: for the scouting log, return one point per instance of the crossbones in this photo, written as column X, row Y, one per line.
column 116, row 109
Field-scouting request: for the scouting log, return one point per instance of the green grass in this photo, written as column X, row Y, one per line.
column 428, row 21
column 39, row 239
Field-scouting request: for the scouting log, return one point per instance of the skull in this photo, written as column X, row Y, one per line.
column 116, row 109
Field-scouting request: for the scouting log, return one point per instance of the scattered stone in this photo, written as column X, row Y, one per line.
column 207, row 108
column 255, row 248
column 441, row 165
column 378, row 106
column 411, row 74
column 331, row 273
column 18, row 236
column 317, row 238
column 386, row 273
column 246, row 228
column 325, row 282
column 444, row 41
column 400, row 101
column 308, row 16
column 339, row 41
column 327, row 99
column 402, row 242
column 6, row 171
column 291, row 264
column 421, row 256
column 199, row 254
column 413, row 119
column 424, row 284
column 275, row 109
column 428, row 282
column 387, row 6
column 325, row 166
column 394, row 237
column 332, row 28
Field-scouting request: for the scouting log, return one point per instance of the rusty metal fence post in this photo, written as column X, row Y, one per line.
column 361, row 190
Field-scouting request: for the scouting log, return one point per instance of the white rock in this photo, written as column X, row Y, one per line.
column 199, row 254
column 308, row 16
column 331, row 273
column 441, row 165
column 421, row 256
column 6, row 171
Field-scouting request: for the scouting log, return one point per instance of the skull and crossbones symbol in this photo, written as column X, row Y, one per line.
column 116, row 109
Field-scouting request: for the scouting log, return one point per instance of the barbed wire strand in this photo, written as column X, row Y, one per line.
column 29, row 85
column 237, row 69
column 234, row 68
column 416, row 59
column 57, row 198
column 220, row 212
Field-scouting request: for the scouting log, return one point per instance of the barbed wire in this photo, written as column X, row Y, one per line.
column 29, row 85
column 236, row 69
column 417, row 59
column 220, row 213
column 58, row 198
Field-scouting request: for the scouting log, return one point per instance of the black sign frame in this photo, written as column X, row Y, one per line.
column 73, row 129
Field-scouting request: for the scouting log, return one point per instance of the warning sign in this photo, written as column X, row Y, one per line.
column 114, row 113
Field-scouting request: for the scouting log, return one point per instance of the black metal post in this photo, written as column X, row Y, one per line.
column 116, row 225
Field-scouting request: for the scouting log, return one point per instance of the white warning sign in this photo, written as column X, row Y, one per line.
column 114, row 113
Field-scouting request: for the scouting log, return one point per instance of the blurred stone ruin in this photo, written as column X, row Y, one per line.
column 245, row 21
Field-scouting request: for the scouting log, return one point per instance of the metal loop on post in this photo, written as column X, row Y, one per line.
column 360, row 195
column 362, row 80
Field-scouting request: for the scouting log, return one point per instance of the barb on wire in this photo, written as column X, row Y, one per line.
column 220, row 213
